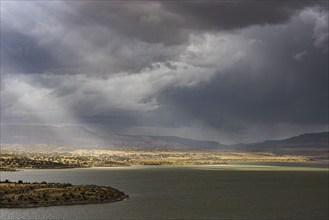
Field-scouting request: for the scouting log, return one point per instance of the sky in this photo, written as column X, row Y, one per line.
column 229, row 71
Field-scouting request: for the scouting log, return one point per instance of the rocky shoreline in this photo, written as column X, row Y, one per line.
column 30, row 195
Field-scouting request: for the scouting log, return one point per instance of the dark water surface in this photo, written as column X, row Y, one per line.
column 189, row 192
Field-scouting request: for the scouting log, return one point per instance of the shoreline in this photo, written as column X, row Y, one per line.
column 10, row 160
column 324, row 164
column 72, row 204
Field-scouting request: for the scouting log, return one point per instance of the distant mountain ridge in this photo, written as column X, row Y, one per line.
column 80, row 137
column 308, row 140
column 76, row 135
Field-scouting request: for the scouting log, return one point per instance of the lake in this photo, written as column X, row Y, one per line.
column 190, row 192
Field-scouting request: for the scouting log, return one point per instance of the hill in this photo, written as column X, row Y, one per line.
column 309, row 140
column 79, row 136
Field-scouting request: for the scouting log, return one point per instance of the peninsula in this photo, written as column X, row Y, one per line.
column 29, row 195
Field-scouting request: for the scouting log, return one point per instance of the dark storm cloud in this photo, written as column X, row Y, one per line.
column 282, row 90
column 100, row 37
column 58, row 37
column 227, row 15
column 190, row 68
column 237, row 98
column 20, row 53
column 170, row 22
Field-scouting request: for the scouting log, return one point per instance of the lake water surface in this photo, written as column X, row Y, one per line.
column 189, row 192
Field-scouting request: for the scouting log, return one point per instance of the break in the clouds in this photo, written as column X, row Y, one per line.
column 227, row 71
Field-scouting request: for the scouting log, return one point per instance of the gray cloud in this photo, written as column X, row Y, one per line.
column 299, row 56
column 318, row 17
column 194, row 69
column 170, row 22
column 222, row 15
column 72, row 42
column 20, row 53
